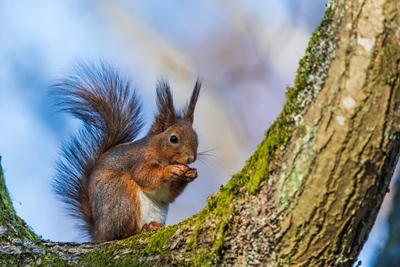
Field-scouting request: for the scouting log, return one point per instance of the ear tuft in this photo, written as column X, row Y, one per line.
column 166, row 113
column 189, row 113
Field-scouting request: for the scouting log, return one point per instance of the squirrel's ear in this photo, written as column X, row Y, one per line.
column 166, row 113
column 189, row 113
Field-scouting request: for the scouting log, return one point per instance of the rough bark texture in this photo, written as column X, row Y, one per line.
column 310, row 193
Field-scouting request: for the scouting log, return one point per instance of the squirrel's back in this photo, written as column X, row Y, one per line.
column 110, row 111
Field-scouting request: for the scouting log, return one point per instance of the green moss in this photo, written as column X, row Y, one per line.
column 97, row 258
column 160, row 238
column 106, row 258
column 197, row 221
column 121, row 253
column 7, row 260
column 128, row 252
column 203, row 259
column 11, row 226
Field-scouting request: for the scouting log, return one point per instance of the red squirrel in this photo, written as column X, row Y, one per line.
column 116, row 185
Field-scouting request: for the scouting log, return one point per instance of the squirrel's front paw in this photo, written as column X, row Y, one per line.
column 190, row 174
column 178, row 171
column 183, row 172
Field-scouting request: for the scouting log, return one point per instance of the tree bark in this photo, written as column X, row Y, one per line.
column 310, row 193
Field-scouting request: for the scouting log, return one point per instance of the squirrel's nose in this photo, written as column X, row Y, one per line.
column 190, row 158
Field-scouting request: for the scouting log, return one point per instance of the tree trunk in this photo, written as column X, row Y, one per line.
column 310, row 193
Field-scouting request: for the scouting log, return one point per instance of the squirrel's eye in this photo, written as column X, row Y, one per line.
column 173, row 139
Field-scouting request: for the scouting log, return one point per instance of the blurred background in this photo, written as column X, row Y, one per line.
column 245, row 51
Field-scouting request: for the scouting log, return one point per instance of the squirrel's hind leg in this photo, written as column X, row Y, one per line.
column 115, row 207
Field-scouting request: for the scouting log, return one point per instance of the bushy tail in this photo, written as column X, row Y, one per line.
column 111, row 114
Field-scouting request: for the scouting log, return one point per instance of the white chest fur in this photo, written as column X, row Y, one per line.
column 154, row 205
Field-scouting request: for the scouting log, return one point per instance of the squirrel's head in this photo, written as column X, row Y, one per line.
column 172, row 136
